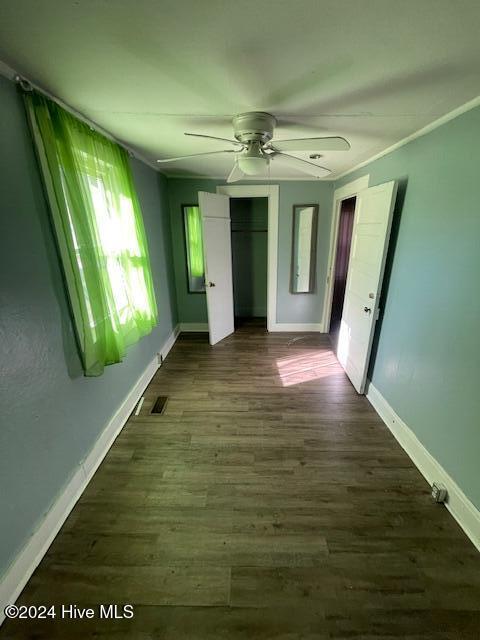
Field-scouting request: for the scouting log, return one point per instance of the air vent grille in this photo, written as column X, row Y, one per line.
column 159, row 404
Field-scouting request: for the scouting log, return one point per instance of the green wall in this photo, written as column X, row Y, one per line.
column 249, row 256
column 192, row 307
column 303, row 308
column 427, row 351
column 51, row 413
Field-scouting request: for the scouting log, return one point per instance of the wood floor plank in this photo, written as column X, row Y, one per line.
column 268, row 501
column 148, row 585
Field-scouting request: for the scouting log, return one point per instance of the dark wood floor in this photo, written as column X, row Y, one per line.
column 268, row 501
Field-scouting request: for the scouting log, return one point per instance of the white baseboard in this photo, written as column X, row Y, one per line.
column 189, row 327
column 295, row 326
column 461, row 508
column 169, row 342
column 19, row 572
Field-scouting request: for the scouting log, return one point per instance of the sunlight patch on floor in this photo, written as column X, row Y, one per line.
column 306, row 367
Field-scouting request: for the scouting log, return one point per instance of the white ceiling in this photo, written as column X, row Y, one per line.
column 373, row 71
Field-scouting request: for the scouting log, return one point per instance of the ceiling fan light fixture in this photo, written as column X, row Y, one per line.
column 253, row 161
column 252, row 165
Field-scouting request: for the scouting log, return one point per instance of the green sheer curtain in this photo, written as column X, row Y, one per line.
column 99, row 230
column 194, row 241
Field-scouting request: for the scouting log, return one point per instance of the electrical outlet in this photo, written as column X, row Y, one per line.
column 439, row 492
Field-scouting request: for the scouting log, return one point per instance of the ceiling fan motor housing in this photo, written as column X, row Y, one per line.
column 254, row 126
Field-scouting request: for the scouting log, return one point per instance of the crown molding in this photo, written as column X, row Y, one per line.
column 12, row 74
column 451, row 115
column 7, row 71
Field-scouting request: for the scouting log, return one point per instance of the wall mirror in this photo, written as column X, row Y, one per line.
column 194, row 248
column 304, row 248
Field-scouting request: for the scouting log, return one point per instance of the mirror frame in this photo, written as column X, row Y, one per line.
column 185, row 248
column 313, row 249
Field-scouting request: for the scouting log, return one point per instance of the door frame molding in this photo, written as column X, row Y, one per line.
column 350, row 190
column 270, row 191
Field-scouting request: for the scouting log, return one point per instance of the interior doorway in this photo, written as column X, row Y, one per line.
column 249, row 230
column 272, row 193
column 340, row 271
column 358, row 278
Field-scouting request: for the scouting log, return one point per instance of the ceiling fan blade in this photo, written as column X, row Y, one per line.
column 201, row 135
column 304, row 165
column 195, row 155
column 235, row 174
column 332, row 143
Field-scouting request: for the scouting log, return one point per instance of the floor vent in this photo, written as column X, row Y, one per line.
column 159, row 405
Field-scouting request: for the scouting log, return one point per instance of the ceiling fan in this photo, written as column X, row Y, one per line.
column 254, row 149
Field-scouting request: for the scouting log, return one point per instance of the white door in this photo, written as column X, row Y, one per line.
column 217, row 250
column 371, row 231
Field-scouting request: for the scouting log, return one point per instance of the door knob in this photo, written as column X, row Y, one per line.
column 211, row 284
column 367, row 309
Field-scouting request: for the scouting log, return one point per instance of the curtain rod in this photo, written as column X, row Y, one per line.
column 27, row 85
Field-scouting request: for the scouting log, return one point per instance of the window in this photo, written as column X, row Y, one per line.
column 100, row 235
column 194, row 248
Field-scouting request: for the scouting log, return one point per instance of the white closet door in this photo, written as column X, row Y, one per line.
column 371, row 232
column 215, row 211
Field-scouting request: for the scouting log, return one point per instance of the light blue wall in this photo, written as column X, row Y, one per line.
column 427, row 360
column 50, row 414
column 303, row 308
